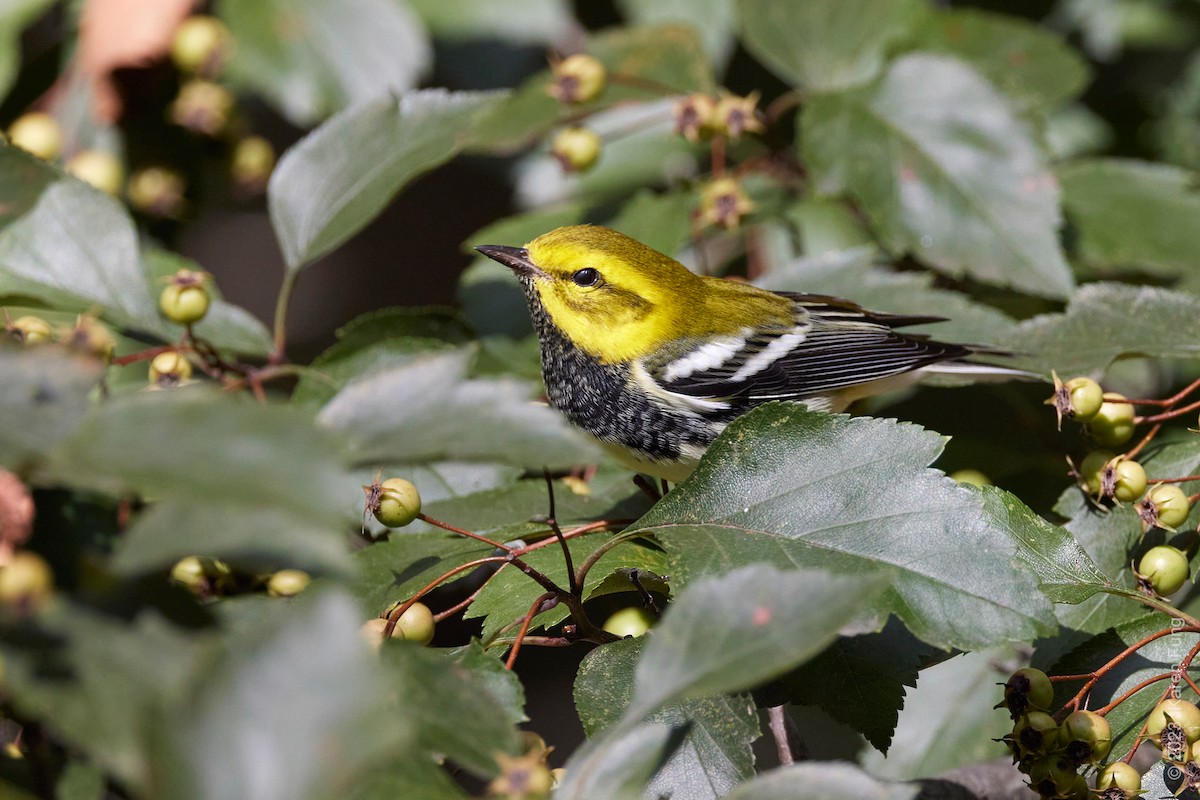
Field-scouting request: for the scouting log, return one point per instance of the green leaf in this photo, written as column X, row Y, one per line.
column 826, row 48
column 428, row 410
column 439, row 698
column 1105, row 321
column 1067, row 573
column 374, row 341
column 661, row 221
column 821, row 780
column 75, row 248
column 1133, row 214
column 410, row 778
column 489, row 670
column 336, row 179
column 948, row 721
column 258, row 536
column 857, row 275
column 852, row 495
column 104, row 685
column 301, row 680
column 43, row 398
column 540, row 22
column 225, row 326
column 395, row 569
column 729, row 633
column 311, row 58
column 944, row 170
column 202, row 446
column 1029, row 63
column 860, row 680
column 619, row 766
column 14, row 17
column 1160, row 656
column 716, row 754
column 509, row 595
column 713, row 20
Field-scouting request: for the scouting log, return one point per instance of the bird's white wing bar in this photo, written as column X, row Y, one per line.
column 706, row 357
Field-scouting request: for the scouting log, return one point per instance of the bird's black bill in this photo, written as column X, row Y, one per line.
column 515, row 258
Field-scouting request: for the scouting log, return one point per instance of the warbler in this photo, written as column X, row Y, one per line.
column 654, row 360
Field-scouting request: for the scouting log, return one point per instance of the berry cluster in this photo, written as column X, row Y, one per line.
column 723, row 202
column 1110, row 420
column 199, row 50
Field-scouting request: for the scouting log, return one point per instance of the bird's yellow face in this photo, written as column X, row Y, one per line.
column 616, row 298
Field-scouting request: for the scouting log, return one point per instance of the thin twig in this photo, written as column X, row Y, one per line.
column 529, row 615
column 777, row 722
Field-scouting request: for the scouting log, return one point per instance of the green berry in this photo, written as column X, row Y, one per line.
column 1087, row 737
column 1119, row 775
column 577, row 79
column 202, row 107
column 1184, row 714
column 200, row 44
column 251, row 163
column 577, row 149
column 191, row 573
column 694, row 116
column 1113, row 423
column 287, row 583
column 1086, row 397
column 734, row 116
column 1171, row 506
column 1051, row 774
column 31, row 330
column 1091, row 470
column 1164, row 568
column 38, row 133
column 169, row 369
column 156, row 191
column 186, row 298
column 90, row 336
column 26, row 581
column 633, row 621
column 399, row 503
column 415, row 625
column 971, row 476
column 1035, row 733
column 1028, row 688
column 1129, row 480
column 101, row 169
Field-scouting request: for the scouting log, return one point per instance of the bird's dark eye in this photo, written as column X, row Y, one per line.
column 586, row 277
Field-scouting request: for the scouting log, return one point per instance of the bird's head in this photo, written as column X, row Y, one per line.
column 613, row 296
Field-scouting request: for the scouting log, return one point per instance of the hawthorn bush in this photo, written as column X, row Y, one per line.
column 196, row 597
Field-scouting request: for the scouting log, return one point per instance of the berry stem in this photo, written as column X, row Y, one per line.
column 1166, row 415
column 463, row 532
column 644, row 84
column 528, row 620
column 1075, row 702
column 142, row 355
column 1145, row 441
column 398, row 611
column 1168, row 401
column 552, row 521
column 1148, row 682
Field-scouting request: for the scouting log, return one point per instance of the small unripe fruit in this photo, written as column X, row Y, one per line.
column 734, row 116
column 1051, row 774
column 1113, row 423
column 523, row 778
column 1130, row 480
column 186, row 299
column 200, row 44
column 399, row 503
column 971, row 476
column 1086, row 397
column 577, row 79
column 170, row 369
column 1028, row 689
column 26, row 581
column 38, row 133
column 251, row 164
column 577, row 149
column 156, row 191
column 1091, row 470
column 1164, row 568
column 1184, row 714
column 190, row 572
column 1087, row 737
column 724, row 203
column 415, row 625
column 1035, row 733
column 633, row 621
column 1121, row 776
column 202, row 107
column 102, row 170
column 31, row 330
column 90, row 336
column 288, row 583
column 1171, row 506
column 694, row 116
